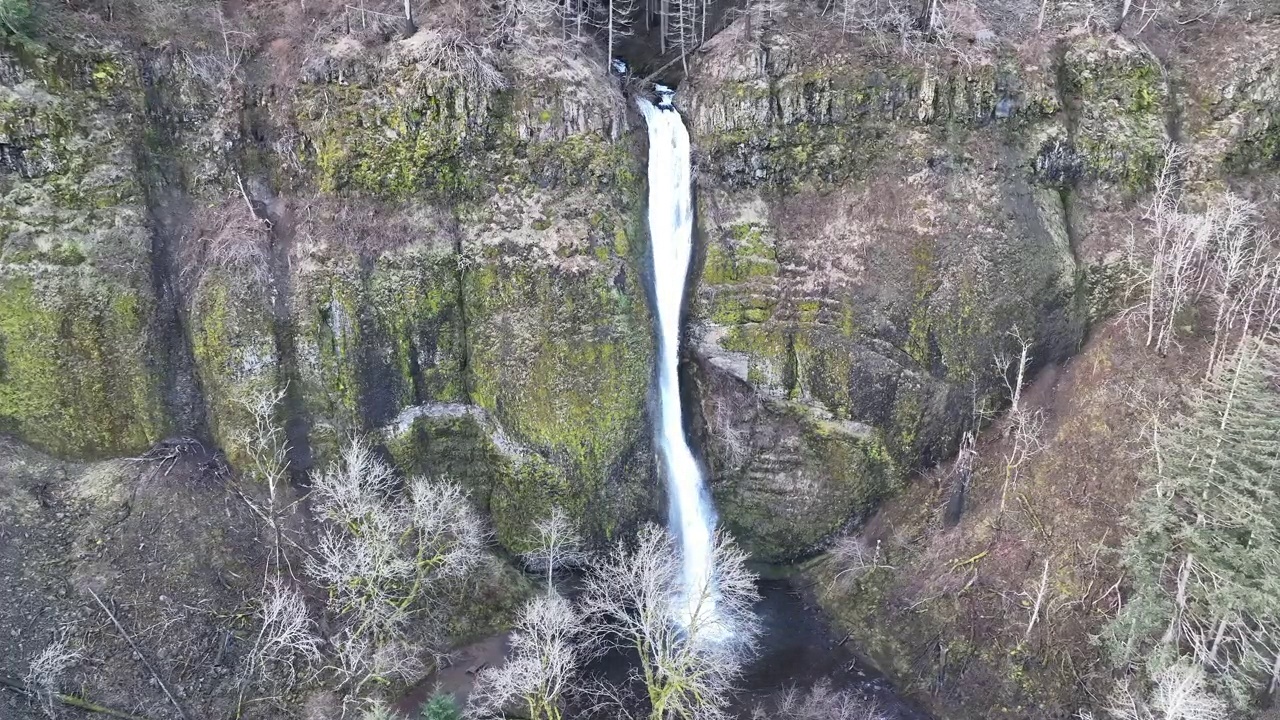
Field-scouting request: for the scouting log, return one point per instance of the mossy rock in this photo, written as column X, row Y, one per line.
column 455, row 442
column 76, row 305
column 559, row 337
column 74, row 374
column 1118, row 104
column 829, row 119
column 530, row 491
column 400, row 132
column 515, row 485
column 881, row 303
column 236, row 357
column 806, row 479
column 562, row 361
column 377, row 335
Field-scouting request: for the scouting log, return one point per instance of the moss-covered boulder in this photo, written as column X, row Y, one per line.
column 76, row 304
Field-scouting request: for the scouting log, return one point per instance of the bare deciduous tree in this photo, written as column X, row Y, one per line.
column 449, row 51
column 820, row 702
column 1216, row 253
column 385, row 551
column 734, row 437
column 559, row 546
column 692, row 642
column 1025, row 426
column 227, row 236
column 549, row 644
column 855, row 559
column 1036, row 604
column 287, row 645
column 377, row 710
column 263, row 441
column 1179, row 692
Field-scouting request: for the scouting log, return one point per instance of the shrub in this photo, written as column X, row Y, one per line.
column 441, row 706
column 15, row 16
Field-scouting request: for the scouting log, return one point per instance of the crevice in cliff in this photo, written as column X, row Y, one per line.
column 415, row 373
column 1173, row 110
column 464, row 328
column 255, row 179
column 1067, row 100
column 1068, row 225
column 169, row 210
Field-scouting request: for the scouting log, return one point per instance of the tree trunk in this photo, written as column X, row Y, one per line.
column 664, row 12
column 409, row 28
column 929, row 18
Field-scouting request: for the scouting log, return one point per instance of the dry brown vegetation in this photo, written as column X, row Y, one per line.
column 228, row 236
column 982, row 613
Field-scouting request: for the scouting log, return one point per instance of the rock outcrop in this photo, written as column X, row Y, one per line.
column 373, row 238
column 877, row 228
column 76, row 298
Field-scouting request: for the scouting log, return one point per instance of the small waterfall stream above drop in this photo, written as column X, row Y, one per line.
column 671, row 241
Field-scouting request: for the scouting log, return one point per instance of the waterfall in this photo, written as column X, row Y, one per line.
column 671, row 240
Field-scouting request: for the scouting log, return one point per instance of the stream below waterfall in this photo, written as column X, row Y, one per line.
column 798, row 648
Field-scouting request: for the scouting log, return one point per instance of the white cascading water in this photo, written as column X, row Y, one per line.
column 671, row 240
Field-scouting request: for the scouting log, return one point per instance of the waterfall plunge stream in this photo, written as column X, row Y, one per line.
column 671, row 239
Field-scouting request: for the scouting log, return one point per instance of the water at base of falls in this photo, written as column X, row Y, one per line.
column 671, row 239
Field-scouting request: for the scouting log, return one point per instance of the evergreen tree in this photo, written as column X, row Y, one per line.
column 441, row 706
column 15, row 15
column 1205, row 558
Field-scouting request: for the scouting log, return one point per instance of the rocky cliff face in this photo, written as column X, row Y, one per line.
column 76, row 299
column 382, row 242
column 877, row 229
column 456, row 266
column 459, row 265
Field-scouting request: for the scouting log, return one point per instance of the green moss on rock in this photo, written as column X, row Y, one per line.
column 376, row 336
column 1117, row 103
column 455, row 444
column 404, row 133
column 74, row 376
column 562, row 361
column 1259, row 149
column 814, row 476
column 829, row 120
column 528, row 492
column 76, row 305
column 236, row 358
column 516, row 485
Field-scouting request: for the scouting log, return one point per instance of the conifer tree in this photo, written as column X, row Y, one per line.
column 1205, row 559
